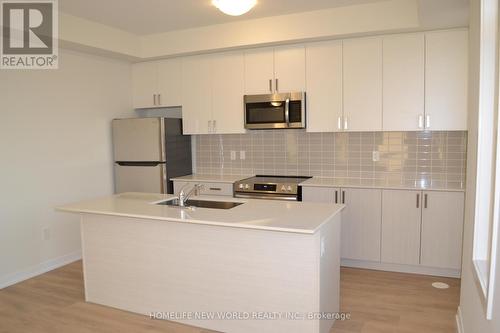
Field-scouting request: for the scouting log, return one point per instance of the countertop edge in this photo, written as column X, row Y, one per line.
column 220, row 224
column 207, row 179
column 382, row 187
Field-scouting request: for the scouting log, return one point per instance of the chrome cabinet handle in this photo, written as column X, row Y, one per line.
column 214, row 126
column 154, row 99
column 425, row 200
column 276, row 85
column 418, row 200
column 270, row 85
column 336, row 196
column 287, row 112
column 215, row 189
column 343, row 197
column 159, row 99
column 345, row 123
column 420, row 121
column 428, row 121
column 339, row 122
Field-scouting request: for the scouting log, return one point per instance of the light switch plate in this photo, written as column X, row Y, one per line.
column 375, row 156
column 242, row 155
column 233, row 155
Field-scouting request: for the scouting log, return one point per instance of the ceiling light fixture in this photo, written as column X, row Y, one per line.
column 234, row 7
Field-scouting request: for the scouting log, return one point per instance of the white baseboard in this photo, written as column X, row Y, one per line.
column 41, row 268
column 460, row 323
column 380, row 266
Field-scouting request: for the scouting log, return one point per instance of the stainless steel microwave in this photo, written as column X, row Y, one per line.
column 281, row 110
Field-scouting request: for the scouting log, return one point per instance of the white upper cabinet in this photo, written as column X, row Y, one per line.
column 272, row 70
column 446, row 80
column 324, row 86
column 212, row 93
column 401, row 215
column 362, row 62
column 227, row 93
column 144, row 84
column 403, row 87
column 169, row 82
column 157, row 83
column 259, row 71
column 197, row 94
column 289, row 69
column 442, row 227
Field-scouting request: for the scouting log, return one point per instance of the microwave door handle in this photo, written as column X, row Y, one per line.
column 287, row 112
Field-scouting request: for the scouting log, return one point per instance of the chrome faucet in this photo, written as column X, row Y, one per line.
column 183, row 197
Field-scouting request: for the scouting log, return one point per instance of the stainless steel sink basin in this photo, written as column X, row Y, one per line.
column 202, row 203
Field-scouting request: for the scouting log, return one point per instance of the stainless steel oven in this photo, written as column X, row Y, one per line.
column 270, row 187
column 282, row 110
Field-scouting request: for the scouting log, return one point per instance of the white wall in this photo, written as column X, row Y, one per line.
column 471, row 306
column 55, row 148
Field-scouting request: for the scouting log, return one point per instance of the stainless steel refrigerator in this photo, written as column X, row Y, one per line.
column 148, row 153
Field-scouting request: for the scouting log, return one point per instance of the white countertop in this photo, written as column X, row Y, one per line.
column 212, row 178
column 343, row 182
column 275, row 215
column 329, row 182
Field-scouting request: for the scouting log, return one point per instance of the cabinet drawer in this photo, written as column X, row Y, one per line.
column 208, row 188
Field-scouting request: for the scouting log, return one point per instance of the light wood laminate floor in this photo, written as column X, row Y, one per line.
column 378, row 302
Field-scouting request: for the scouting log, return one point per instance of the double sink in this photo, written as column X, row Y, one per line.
column 201, row 203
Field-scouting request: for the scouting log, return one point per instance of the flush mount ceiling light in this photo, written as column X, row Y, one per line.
column 234, row 7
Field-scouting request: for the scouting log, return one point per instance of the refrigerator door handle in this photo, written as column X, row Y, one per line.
column 140, row 164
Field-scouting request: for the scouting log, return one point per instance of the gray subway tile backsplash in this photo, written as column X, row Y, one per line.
column 426, row 158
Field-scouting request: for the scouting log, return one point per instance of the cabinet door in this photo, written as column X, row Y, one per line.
column 169, row 82
column 442, row 226
column 289, row 69
column 196, row 94
column 361, row 224
column 228, row 89
column 446, row 80
column 259, row 71
column 144, row 84
column 401, row 216
column 403, row 87
column 324, row 86
column 320, row 194
column 362, row 63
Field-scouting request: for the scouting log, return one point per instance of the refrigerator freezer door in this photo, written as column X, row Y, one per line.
column 140, row 178
column 138, row 139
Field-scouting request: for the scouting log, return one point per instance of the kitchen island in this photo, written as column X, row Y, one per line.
column 262, row 266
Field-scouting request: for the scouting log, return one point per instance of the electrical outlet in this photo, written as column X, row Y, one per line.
column 46, row 233
column 243, row 155
column 233, row 155
column 375, row 156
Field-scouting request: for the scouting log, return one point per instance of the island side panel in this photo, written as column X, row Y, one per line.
column 330, row 271
column 146, row 266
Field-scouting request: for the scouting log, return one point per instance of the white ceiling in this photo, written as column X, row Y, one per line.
column 144, row 17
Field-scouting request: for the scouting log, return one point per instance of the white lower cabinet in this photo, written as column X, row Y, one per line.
column 401, row 216
column 442, row 227
column 361, row 219
column 213, row 188
column 361, row 223
column 398, row 230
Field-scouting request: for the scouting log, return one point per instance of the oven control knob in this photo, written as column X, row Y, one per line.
column 241, row 186
column 289, row 188
column 283, row 188
column 247, row 186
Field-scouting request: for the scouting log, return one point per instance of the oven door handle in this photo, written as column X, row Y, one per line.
column 287, row 112
column 263, row 196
